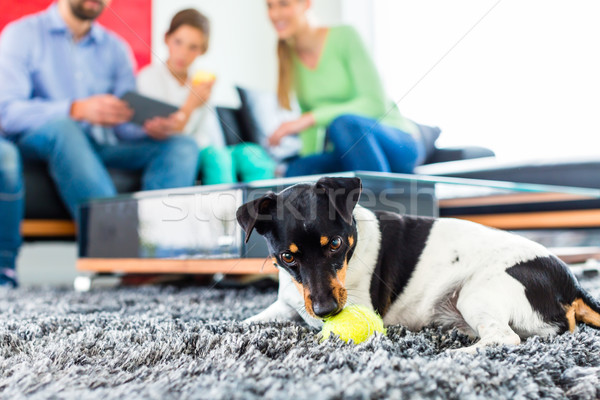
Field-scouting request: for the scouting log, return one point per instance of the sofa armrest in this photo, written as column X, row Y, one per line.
column 458, row 153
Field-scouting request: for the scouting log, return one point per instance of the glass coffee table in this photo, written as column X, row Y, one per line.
column 194, row 231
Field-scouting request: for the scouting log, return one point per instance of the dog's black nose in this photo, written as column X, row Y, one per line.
column 325, row 308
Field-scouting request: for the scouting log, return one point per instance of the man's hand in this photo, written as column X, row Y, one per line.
column 291, row 128
column 102, row 109
column 161, row 128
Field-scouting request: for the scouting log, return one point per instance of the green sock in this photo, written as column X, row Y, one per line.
column 252, row 162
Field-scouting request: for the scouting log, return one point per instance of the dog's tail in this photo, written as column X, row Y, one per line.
column 584, row 309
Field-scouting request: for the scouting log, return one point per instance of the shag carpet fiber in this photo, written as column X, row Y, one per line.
column 188, row 343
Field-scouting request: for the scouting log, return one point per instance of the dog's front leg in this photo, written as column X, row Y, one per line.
column 286, row 307
column 289, row 305
column 278, row 311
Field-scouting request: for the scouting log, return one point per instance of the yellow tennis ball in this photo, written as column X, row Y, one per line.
column 203, row 76
column 355, row 322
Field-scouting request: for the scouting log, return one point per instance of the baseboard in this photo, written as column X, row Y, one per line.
column 48, row 228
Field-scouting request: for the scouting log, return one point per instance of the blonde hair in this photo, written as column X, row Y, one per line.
column 286, row 74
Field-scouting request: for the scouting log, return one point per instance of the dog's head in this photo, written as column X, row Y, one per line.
column 311, row 234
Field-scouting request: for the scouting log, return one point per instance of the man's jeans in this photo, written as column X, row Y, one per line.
column 78, row 165
column 11, row 204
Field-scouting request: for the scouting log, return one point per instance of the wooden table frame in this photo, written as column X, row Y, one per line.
column 233, row 266
column 584, row 218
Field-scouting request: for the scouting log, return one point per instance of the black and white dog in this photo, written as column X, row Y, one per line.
column 413, row 271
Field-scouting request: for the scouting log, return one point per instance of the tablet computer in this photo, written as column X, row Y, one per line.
column 145, row 108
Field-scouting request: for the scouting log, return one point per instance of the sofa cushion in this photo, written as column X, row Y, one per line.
column 231, row 124
column 445, row 154
column 42, row 200
column 429, row 134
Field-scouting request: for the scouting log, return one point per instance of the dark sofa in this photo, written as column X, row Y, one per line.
column 578, row 172
column 43, row 201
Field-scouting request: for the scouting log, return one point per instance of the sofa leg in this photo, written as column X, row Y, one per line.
column 85, row 283
column 82, row 283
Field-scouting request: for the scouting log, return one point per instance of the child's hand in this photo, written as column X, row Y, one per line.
column 199, row 94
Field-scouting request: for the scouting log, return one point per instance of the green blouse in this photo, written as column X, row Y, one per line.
column 345, row 81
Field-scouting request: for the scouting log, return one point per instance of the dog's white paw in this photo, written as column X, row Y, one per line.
column 259, row 318
column 474, row 349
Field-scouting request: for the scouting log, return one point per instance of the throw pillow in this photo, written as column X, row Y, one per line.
column 429, row 134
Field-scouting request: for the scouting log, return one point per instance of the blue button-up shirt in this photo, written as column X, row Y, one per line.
column 43, row 70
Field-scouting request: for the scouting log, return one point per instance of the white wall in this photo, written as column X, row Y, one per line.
column 243, row 43
column 525, row 81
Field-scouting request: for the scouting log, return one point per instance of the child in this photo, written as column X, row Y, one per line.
column 187, row 39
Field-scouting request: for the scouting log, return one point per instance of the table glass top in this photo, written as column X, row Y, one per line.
column 445, row 187
column 199, row 221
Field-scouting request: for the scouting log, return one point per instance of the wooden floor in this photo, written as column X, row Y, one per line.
column 558, row 219
column 538, row 220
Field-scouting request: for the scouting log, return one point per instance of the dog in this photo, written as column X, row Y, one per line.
column 413, row 271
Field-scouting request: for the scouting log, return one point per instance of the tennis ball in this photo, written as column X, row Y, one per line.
column 203, row 76
column 355, row 322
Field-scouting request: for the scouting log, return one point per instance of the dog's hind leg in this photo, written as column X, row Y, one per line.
column 487, row 317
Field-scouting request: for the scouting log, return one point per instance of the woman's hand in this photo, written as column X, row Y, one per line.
column 161, row 128
column 291, row 128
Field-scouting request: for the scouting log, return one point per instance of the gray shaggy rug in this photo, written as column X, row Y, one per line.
column 163, row 343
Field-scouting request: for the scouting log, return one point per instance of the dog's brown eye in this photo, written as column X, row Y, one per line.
column 287, row 258
column 335, row 243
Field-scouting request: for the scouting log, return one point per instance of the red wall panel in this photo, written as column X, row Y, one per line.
column 130, row 19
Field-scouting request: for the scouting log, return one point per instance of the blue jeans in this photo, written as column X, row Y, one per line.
column 78, row 165
column 11, row 206
column 362, row 144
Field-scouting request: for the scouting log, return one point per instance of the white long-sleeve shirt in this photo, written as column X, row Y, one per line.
column 157, row 82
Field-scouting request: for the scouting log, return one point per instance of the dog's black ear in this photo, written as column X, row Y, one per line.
column 256, row 214
column 343, row 194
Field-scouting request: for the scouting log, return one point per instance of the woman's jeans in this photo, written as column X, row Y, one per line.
column 362, row 144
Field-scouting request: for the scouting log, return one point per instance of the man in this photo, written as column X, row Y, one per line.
column 61, row 76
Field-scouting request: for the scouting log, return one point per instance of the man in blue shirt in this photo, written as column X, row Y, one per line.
column 61, row 76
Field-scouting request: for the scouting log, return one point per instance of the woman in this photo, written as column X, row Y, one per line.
column 187, row 39
column 338, row 88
